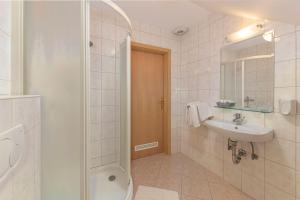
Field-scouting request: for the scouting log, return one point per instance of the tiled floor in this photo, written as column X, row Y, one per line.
column 181, row 174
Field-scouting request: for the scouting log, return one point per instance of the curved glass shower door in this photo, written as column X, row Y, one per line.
column 110, row 104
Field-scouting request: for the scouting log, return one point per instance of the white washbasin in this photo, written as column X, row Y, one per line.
column 245, row 132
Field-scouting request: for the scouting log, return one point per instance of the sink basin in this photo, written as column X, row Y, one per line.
column 245, row 132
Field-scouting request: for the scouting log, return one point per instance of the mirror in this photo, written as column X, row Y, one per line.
column 11, row 48
column 5, row 46
column 247, row 75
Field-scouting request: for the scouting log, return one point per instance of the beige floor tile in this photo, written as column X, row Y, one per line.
column 169, row 181
column 213, row 178
column 224, row 191
column 218, row 191
column 193, row 169
column 183, row 175
column 196, row 187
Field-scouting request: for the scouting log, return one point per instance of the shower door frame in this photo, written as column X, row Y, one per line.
column 166, row 53
column 85, row 61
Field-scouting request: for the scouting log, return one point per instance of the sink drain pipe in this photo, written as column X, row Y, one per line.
column 238, row 153
column 253, row 155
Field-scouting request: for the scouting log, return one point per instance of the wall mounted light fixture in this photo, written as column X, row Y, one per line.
column 269, row 36
column 245, row 33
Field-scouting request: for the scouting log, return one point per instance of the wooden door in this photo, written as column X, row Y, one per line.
column 147, row 103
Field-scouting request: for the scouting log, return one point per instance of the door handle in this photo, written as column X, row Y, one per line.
column 162, row 103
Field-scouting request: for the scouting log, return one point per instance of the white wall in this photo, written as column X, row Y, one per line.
column 24, row 182
column 275, row 175
column 5, row 47
column 108, row 30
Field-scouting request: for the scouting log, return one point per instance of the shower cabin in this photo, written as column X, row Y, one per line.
column 77, row 57
column 108, row 104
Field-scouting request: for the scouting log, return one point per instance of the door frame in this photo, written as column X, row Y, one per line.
column 166, row 53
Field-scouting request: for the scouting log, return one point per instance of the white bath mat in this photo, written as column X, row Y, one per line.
column 152, row 193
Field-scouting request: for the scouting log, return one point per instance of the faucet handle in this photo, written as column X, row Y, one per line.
column 237, row 115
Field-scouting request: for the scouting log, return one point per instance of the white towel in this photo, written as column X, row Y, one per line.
column 198, row 112
column 152, row 193
column 204, row 111
column 192, row 115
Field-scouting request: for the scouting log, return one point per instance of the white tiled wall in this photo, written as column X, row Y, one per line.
column 107, row 32
column 275, row 175
column 5, row 43
column 195, row 76
column 24, row 182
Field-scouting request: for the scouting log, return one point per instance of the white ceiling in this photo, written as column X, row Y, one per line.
column 169, row 14
column 277, row 10
column 166, row 14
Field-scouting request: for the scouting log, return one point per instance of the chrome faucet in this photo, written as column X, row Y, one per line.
column 247, row 100
column 238, row 119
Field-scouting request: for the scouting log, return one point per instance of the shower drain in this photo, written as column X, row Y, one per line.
column 112, row 178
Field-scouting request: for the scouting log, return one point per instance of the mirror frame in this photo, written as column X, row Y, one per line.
column 16, row 48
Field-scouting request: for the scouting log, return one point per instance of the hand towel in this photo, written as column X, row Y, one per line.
column 192, row 115
column 204, row 111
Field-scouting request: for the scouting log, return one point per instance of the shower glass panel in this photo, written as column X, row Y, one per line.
column 53, row 69
column 109, row 105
